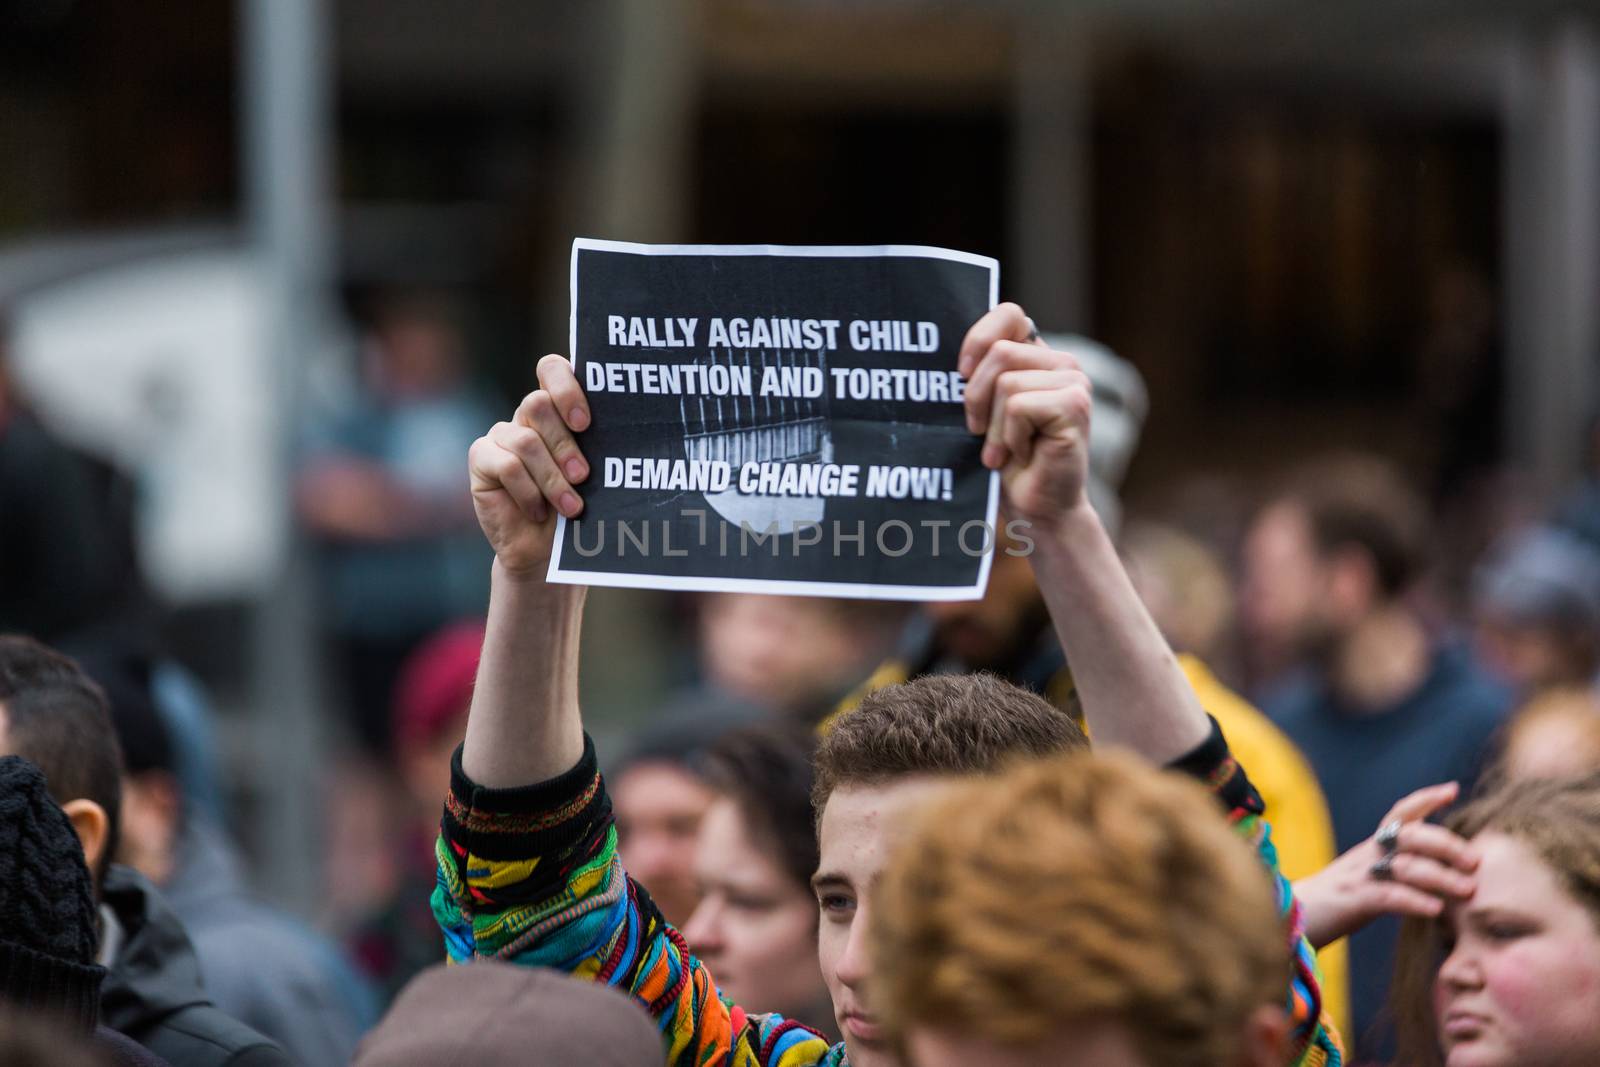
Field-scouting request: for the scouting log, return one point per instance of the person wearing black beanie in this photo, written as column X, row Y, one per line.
column 54, row 715
column 49, row 932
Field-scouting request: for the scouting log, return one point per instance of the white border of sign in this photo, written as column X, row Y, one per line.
column 561, row 576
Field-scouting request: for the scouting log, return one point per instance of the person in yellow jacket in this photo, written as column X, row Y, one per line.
column 1008, row 632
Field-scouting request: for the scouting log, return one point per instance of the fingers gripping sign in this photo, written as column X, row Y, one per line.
column 523, row 472
column 1032, row 405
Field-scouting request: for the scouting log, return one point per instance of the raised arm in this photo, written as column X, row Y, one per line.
column 1032, row 405
column 524, row 725
column 527, row 850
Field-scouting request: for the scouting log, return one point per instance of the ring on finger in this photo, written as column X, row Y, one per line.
column 1383, row 870
column 1388, row 838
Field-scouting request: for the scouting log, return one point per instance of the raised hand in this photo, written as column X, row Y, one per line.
column 524, row 725
column 523, row 471
column 1427, row 866
column 1032, row 405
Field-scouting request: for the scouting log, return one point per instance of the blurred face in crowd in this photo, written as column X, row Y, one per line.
column 1555, row 736
column 1283, row 584
column 425, row 768
column 658, row 808
column 755, row 926
column 1183, row 584
column 795, row 654
column 151, row 820
column 418, row 355
column 779, row 652
column 1531, row 656
column 1520, row 985
column 860, row 827
column 988, row 632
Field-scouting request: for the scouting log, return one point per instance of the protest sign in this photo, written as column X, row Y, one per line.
column 779, row 420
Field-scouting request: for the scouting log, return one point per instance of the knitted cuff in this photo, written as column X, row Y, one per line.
column 536, row 797
column 1213, row 764
column 68, row 989
column 566, row 816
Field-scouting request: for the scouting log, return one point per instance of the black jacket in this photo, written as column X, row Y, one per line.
column 153, row 993
column 47, row 495
column 120, row 1050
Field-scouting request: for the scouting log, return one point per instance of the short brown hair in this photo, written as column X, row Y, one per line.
column 1362, row 501
column 947, row 724
column 1559, row 821
column 1089, row 888
column 57, row 718
column 766, row 768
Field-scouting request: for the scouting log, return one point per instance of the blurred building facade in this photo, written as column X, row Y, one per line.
column 1376, row 225
column 1264, row 205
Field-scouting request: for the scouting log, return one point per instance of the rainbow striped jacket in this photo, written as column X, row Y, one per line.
column 532, row 875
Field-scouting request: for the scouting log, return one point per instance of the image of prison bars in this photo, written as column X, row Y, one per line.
column 744, row 429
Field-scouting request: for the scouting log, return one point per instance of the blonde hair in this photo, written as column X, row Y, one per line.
column 1183, row 583
column 1554, row 735
column 1086, row 887
column 1559, row 820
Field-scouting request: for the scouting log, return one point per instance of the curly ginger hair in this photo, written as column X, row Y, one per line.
column 1085, row 889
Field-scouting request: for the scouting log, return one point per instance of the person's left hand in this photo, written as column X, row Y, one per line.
column 1032, row 404
column 1428, row 867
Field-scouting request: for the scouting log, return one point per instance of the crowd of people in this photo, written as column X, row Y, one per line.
column 1285, row 792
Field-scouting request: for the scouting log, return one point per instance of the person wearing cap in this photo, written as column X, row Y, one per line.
column 48, row 927
column 49, row 981
column 55, row 716
column 493, row 1014
column 1536, row 615
column 1536, row 606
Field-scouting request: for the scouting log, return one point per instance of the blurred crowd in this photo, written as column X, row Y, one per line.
column 1357, row 637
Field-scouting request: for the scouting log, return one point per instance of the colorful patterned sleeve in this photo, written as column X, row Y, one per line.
column 1316, row 1040
column 531, row 875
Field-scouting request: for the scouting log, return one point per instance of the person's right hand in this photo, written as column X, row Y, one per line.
column 523, row 471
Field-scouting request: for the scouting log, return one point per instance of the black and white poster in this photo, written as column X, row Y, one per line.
column 776, row 419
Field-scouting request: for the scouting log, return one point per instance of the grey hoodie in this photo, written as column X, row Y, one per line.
column 259, row 964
